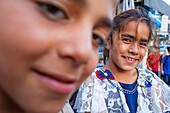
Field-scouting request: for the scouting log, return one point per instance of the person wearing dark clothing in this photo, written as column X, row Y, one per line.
column 165, row 67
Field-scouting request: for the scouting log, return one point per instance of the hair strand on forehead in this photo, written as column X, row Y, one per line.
column 123, row 18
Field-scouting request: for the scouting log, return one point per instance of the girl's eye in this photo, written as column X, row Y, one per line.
column 52, row 12
column 98, row 41
column 127, row 40
column 144, row 44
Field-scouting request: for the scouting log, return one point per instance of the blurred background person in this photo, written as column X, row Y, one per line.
column 153, row 60
column 165, row 67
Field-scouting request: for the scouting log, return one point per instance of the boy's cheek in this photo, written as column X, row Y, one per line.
column 88, row 69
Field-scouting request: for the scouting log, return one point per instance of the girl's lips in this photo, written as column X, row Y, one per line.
column 57, row 85
column 130, row 60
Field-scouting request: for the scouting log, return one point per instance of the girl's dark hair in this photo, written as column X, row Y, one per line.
column 123, row 18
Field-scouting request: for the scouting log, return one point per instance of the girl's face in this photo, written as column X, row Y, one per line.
column 129, row 46
column 46, row 47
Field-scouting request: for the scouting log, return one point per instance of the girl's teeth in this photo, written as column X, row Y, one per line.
column 130, row 59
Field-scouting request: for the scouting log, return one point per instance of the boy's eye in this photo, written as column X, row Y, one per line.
column 98, row 41
column 53, row 12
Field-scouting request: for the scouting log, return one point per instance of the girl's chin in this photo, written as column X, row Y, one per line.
column 128, row 68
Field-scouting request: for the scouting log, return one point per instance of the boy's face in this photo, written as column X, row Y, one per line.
column 129, row 46
column 46, row 47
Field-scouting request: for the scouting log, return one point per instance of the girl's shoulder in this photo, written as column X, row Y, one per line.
column 145, row 72
column 95, row 72
column 149, row 79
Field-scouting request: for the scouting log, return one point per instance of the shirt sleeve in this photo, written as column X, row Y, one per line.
column 162, row 98
column 90, row 97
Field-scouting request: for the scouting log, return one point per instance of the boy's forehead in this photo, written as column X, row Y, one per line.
column 94, row 7
column 85, row 3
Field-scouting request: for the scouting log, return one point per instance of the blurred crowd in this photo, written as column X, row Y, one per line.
column 159, row 63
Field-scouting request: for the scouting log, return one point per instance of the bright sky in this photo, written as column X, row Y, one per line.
column 167, row 1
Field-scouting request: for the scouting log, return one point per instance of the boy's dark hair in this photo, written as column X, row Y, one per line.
column 168, row 48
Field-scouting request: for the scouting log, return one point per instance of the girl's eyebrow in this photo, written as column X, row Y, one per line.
column 144, row 40
column 128, row 35
column 133, row 37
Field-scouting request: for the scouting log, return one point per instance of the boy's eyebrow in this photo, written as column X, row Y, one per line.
column 106, row 22
column 82, row 3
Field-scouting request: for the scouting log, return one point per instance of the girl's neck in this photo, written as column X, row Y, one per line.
column 127, row 77
column 7, row 105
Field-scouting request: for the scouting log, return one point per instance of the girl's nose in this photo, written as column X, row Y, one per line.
column 134, row 49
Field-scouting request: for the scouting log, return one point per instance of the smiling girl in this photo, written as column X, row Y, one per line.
column 120, row 86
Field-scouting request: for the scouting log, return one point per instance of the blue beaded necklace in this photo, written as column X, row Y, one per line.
column 124, row 90
column 109, row 76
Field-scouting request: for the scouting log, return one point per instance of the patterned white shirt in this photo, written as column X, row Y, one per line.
column 99, row 96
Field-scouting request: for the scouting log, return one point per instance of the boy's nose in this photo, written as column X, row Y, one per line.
column 78, row 49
